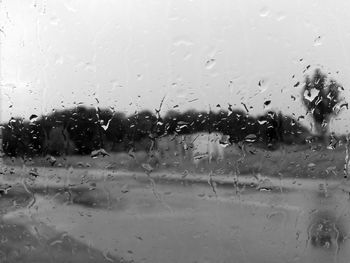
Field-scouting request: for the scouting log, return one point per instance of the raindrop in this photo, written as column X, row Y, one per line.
column 311, row 165
column 318, row 41
column 34, row 172
column 116, row 84
column 280, row 16
column 90, row 67
column 225, row 141
column 264, row 11
column 92, row 186
column 267, row 103
column 125, row 189
column 296, row 84
column 263, row 85
column 105, row 127
column 200, row 156
column 54, row 21
column 182, row 41
column 52, row 160
column 230, row 110
column 346, row 105
column 184, row 174
column 99, row 152
column 250, row 138
column 261, row 122
column 139, row 238
column 264, row 183
column 193, row 100
column 188, row 56
column 245, row 106
column 4, row 189
column 209, row 64
column 107, row 256
column 55, row 242
column 147, row 167
column 33, row 117
column 310, row 95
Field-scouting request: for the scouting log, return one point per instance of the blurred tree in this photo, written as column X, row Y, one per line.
column 82, row 130
column 322, row 99
column 140, row 129
column 16, row 138
column 115, row 132
column 59, row 142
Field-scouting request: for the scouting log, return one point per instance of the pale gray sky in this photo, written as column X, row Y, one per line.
column 130, row 53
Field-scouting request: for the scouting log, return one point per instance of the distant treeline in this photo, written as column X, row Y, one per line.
column 82, row 130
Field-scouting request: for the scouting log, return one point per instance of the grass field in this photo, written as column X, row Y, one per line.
column 300, row 161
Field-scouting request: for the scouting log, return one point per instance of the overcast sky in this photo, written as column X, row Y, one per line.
column 129, row 54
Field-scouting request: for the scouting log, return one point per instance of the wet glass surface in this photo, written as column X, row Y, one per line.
column 174, row 131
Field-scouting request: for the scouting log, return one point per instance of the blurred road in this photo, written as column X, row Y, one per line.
column 172, row 218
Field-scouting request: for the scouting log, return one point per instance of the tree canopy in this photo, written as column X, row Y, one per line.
column 321, row 97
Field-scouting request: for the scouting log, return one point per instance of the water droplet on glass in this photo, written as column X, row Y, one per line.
column 105, row 127
column 4, row 188
column 209, row 64
column 264, row 11
column 33, row 118
column 250, row 138
column 281, row 16
column 182, row 41
column 92, row 186
column 52, row 160
column 125, row 189
column 147, row 167
column 54, row 20
column 34, row 172
column 318, row 41
column 310, row 95
column 310, row 165
column 267, row 102
column 99, row 152
column 263, row 85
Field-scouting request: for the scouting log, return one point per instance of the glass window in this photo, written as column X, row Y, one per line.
column 174, row 131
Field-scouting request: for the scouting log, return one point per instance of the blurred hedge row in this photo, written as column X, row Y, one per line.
column 82, row 130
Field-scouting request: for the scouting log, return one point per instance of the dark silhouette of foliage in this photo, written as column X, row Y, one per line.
column 322, row 99
column 140, row 126
column 116, row 131
column 22, row 138
column 82, row 130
